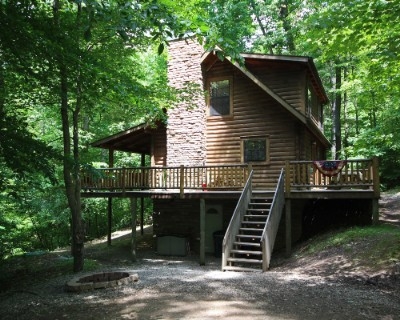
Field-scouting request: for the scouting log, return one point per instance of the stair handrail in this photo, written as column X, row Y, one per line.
column 272, row 224
column 236, row 219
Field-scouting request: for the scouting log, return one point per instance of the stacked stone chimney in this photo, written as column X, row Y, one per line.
column 186, row 129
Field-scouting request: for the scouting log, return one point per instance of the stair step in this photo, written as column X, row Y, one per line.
column 254, row 222
column 246, row 252
column 258, row 209
column 244, row 260
column 247, row 236
column 257, row 204
column 261, row 216
column 260, row 200
column 251, row 229
column 233, row 268
column 264, row 192
column 247, row 244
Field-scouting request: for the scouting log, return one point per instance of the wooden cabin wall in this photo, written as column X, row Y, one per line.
column 254, row 113
column 286, row 81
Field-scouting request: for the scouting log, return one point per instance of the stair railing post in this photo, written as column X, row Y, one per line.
column 287, row 178
column 182, row 181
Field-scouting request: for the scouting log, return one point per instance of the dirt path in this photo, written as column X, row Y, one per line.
column 179, row 288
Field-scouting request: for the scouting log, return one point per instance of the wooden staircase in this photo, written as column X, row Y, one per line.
column 246, row 253
column 250, row 237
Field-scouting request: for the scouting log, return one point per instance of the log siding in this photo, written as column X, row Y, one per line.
column 254, row 114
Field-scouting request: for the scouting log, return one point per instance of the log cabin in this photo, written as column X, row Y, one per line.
column 246, row 149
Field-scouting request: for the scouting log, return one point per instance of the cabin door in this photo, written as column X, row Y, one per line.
column 213, row 223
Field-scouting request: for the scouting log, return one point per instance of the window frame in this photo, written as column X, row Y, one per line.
column 208, row 89
column 256, row 137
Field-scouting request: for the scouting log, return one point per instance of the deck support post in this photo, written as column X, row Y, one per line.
column 202, row 231
column 109, row 221
column 288, row 220
column 109, row 205
column 375, row 211
column 141, row 215
column 133, row 221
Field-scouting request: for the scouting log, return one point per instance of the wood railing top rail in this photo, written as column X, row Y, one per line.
column 224, row 176
column 167, row 167
column 347, row 160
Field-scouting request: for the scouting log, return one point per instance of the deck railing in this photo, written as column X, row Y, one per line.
column 180, row 177
column 349, row 174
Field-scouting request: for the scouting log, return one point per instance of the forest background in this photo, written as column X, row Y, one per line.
column 75, row 71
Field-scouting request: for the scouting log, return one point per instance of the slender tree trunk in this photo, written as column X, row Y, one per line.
column 345, row 142
column 284, row 16
column 373, row 111
column 260, row 24
column 70, row 156
column 337, row 106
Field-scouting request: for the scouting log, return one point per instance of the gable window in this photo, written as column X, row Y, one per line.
column 255, row 149
column 220, row 97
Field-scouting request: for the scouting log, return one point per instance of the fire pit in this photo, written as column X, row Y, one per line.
column 100, row 281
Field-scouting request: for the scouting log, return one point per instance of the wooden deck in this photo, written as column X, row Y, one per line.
column 358, row 179
column 350, row 179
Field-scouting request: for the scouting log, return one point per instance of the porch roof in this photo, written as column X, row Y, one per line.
column 136, row 139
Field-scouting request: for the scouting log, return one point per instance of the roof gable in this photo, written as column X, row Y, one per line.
column 210, row 58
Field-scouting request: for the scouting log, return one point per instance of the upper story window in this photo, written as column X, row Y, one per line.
column 220, row 97
column 255, row 149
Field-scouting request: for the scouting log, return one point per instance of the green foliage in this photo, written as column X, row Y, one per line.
column 229, row 26
column 115, row 64
column 100, row 63
column 381, row 244
column 29, row 269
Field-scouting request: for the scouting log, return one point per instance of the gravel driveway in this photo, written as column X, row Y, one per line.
column 176, row 288
column 179, row 288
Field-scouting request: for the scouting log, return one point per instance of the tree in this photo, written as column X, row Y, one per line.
column 81, row 59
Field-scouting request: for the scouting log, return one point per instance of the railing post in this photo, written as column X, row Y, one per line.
column 182, row 181
column 123, row 180
column 250, row 169
column 287, row 178
column 375, row 177
column 376, row 186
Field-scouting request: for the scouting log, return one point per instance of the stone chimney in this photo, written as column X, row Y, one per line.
column 186, row 128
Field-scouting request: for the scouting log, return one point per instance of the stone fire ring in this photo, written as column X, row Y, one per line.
column 100, row 281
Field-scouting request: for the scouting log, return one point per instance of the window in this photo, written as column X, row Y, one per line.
column 255, row 149
column 220, row 97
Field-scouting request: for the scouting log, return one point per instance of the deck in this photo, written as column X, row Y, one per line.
column 357, row 179
column 348, row 179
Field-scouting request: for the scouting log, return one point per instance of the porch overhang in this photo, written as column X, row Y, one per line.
column 137, row 139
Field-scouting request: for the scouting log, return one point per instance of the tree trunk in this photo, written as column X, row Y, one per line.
column 337, row 105
column 70, row 157
column 260, row 24
column 284, row 16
